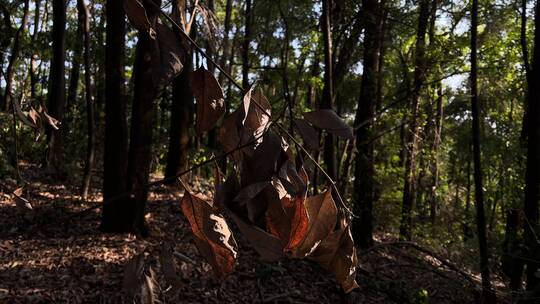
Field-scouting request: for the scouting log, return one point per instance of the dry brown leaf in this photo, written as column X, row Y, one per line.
column 297, row 213
column 210, row 99
column 291, row 179
column 20, row 201
column 150, row 288
column 137, row 16
column 168, row 55
column 328, row 120
column 229, row 136
column 254, row 200
column 337, row 254
column 308, row 133
column 133, row 275
column 256, row 116
column 322, row 214
column 213, row 237
column 267, row 246
column 167, row 265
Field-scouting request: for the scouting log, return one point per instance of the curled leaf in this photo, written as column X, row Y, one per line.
column 257, row 114
column 328, row 120
column 167, row 265
column 20, row 201
column 212, row 235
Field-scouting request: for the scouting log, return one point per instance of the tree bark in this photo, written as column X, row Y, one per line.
column 327, row 102
column 32, row 68
column 532, row 174
column 84, row 15
column 364, row 171
column 410, row 186
column 10, row 72
column 181, row 118
column 57, row 89
column 245, row 47
column 488, row 296
column 115, row 154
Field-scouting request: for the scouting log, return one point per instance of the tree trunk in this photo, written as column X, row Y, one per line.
column 181, row 118
column 10, row 73
column 84, row 15
column 142, row 123
column 532, row 174
column 410, row 186
column 245, row 47
column 57, row 88
column 32, row 69
column 526, row 64
column 327, row 101
column 114, row 218
column 488, row 296
column 364, row 171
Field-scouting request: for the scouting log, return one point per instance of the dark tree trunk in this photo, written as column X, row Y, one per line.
column 532, row 174
column 181, row 118
column 245, row 47
column 327, row 101
column 142, row 123
column 57, row 93
column 364, row 171
column 411, row 150
column 73, row 85
column 10, row 73
column 177, row 154
column 115, row 219
column 526, row 65
column 84, row 16
column 32, row 70
column 488, row 296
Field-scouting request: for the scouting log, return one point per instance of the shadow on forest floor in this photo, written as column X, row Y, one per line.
column 48, row 254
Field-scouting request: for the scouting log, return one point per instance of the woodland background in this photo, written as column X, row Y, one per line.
column 436, row 153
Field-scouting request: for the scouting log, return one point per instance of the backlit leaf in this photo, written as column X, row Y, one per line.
column 212, row 235
column 210, row 99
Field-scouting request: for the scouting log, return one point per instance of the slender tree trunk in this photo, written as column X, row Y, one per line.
column 10, row 73
column 142, row 123
column 488, row 296
column 73, row 85
column 532, row 174
column 114, row 217
column 57, row 89
column 364, row 182
column 84, row 14
column 181, row 112
column 527, row 66
column 33, row 68
column 245, row 47
column 327, row 101
column 410, row 186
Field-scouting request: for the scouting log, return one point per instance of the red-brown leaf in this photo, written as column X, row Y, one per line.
column 322, row 214
column 229, row 136
column 210, row 99
column 212, row 235
column 328, row 120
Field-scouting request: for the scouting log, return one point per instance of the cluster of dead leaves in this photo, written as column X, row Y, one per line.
column 266, row 195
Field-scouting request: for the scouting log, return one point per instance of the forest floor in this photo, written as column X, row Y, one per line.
column 50, row 254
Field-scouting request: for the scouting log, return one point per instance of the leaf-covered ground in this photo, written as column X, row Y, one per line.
column 50, row 254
